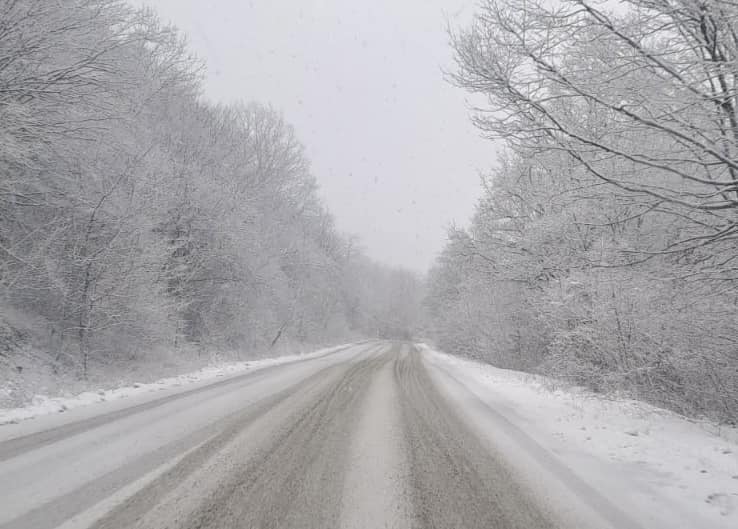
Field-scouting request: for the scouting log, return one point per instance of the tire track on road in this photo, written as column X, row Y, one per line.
column 456, row 482
column 296, row 479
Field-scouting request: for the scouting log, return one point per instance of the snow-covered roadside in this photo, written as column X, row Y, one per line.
column 43, row 405
column 660, row 469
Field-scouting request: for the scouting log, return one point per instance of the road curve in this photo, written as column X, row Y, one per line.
column 360, row 438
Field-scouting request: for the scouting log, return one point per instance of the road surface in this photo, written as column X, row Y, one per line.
column 357, row 438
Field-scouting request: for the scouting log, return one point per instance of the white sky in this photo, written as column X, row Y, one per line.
column 392, row 148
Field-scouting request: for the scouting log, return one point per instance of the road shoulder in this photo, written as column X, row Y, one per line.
column 530, row 424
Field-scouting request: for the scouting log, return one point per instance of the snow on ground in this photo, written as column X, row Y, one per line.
column 683, row 472
column 43, row 405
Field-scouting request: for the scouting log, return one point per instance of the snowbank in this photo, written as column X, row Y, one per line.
column 44, row 405
column 659, row 468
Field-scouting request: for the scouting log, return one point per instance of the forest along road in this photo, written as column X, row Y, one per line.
column 358, row 438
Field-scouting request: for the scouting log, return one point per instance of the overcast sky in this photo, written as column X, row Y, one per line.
column 390, row 141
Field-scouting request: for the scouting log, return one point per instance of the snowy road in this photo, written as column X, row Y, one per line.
column 362, row 437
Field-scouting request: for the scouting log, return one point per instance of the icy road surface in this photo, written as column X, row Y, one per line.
column 366, row 436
